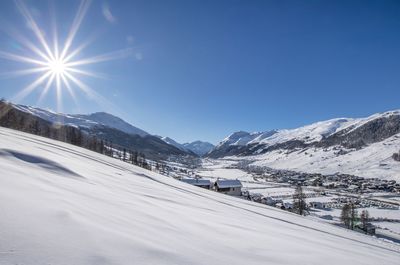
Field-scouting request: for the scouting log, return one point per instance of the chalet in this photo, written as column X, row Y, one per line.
column 228, row 186
column 202, row 183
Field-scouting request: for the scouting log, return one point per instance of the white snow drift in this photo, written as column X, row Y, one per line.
column 64, row 205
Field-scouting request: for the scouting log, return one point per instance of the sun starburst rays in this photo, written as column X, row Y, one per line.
column 54, row 64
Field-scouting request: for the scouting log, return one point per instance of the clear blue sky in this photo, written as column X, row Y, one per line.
column 203, row 69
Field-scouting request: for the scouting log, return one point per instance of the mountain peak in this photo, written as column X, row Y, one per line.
column 243, row 138
column 110, row 120
column 199, row 147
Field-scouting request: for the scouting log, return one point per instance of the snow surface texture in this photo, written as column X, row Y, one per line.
column 64, row 205
column 80, row 120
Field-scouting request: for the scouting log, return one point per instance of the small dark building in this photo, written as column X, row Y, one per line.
column 228, row 186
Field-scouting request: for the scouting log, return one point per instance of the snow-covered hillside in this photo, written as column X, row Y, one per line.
column 81, row 120
column 373, row 161
column 64, row 205
column 362, row 147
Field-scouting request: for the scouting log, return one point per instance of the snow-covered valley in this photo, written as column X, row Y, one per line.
column 61, row 204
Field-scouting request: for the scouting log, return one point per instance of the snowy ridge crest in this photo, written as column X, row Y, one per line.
column 309, row 133
column 83, row 120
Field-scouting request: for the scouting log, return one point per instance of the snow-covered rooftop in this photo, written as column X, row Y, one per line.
column 197, row 181
column 228, row 183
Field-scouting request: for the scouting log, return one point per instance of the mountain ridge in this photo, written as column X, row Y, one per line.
column 198, row 147
column 83, row 120
column 362, row 147
column 308, row 134
column 39, row 121
column 99, row 119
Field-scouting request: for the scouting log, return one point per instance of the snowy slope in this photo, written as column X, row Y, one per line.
column 240, row 138
column 373, row 161
column 80, row 120
column 172, row 142
column 64, row 205
column 362, row 147
column 113, row 122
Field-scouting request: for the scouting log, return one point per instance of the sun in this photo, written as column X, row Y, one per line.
column 56, row 65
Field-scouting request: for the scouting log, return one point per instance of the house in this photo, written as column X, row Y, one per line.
column 318, row 205
column 202, row 183
column 228, row 186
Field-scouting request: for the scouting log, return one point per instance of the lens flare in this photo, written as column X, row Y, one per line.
column 55, row 65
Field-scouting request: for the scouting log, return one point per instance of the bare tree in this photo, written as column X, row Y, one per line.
column 299, row 201
column 364, row 219
column 349, row 215
column 345, row 215
column 353, row 216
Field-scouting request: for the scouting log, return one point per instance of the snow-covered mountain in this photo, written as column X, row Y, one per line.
column 82, row 120
column 103, row 126
column 61, row 204
column 199, row 148
column 172, row 142
column 308, row 134
column 336, row 145
column 95, row 121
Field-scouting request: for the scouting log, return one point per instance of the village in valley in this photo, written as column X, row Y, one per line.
column 375, row 201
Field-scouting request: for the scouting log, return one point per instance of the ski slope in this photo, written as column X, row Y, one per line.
column 63, row 205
